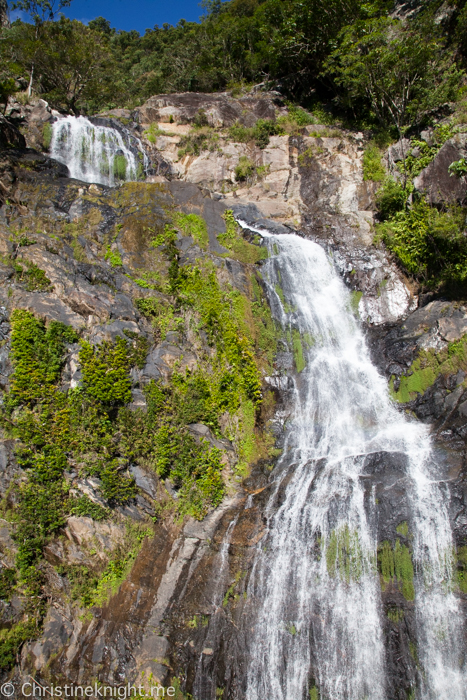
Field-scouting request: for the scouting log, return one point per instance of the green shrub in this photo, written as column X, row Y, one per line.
column 458, row 168
column 38, row 355
column 105, row 371
column 84, row 507
column 35, row 278
column 260, row 133
column 430, row 244
column 199, row 139
column 194, row 226
column 391, row 198
column 113, row 257
column 244, row 170
column 373, row 168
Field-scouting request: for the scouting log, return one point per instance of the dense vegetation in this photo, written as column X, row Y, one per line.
column 345, row 53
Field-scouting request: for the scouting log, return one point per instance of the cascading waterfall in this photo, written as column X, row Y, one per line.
column 95, row 153
column 315, row 574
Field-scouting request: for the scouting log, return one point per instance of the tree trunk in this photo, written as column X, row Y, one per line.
column 31, row 77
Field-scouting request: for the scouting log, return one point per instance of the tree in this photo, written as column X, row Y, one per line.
column 75, row 66
column 40, row 12
column 399, row 70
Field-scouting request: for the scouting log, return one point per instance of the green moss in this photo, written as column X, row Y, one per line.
column 403, row 529
column 46, row 136
column 461, row 557
column 397, row 562
column 386, row 561
column 314, row 693
column 427, row 367
column 344, row 555
column 239, row 248
column 194, row 226
column 298, row 350
column 404, row 570
column 120, row 167
column 396, row 615
column 355, row 301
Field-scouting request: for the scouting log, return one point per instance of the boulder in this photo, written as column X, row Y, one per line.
column 436, row 182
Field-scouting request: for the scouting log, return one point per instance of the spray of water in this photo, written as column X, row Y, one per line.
column 315, row 574
column 94, row 153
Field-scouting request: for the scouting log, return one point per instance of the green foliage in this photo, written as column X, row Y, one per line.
column 403, row 528
column 46, row 136
column 391, row 198
column 7, row 583
column 386, row 561
column 84, row 507
column 153, row 131
column 429, row 243
column 397, row 562
column 91, row 588
column 236, row 245
column 298, row 350
column 113, row 257
column 119, row 169
column 244, row 170
column 37, row 353
column 194, row 226
column 344, row 555
column 396, row 615
column 355, row 297
column 404, row 570
column 203, row 138
column 458, row 168
column 105, row 371
column 35, row 278
column 379, row 62
column 425, row 369
column 373, row 168
column 412, row 164
column 11, row 641
column 461, row 572
column 7, row 89
column 259, row 133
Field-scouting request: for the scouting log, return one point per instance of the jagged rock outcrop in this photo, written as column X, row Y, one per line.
column 436, row 182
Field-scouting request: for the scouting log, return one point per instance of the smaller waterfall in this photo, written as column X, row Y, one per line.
column 95, row 153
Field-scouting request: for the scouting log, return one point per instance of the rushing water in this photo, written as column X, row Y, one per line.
column 95, row 153
column 315, row 574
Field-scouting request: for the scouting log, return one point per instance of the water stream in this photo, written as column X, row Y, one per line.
column 94, row 153
column 315, row 579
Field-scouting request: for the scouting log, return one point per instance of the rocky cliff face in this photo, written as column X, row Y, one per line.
column 93, row 258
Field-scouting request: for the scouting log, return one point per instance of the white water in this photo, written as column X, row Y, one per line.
column 93, row 153
column 315, row 578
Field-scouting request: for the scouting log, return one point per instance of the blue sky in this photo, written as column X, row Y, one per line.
column 138, row 14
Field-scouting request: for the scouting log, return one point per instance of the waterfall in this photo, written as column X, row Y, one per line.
column 319, row 631
column 95, row 153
